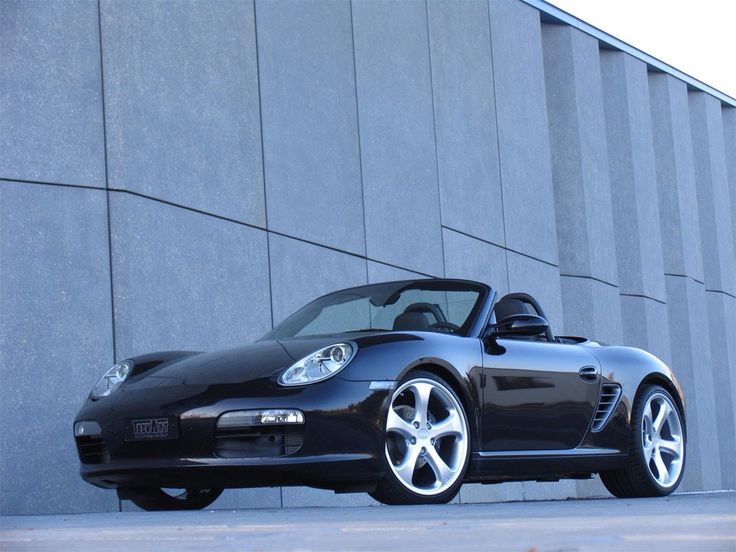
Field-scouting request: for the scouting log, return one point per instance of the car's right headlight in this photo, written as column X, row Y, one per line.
column 320, row 365
column 112, row 379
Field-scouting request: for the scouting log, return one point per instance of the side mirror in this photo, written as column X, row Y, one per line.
column 519, row 324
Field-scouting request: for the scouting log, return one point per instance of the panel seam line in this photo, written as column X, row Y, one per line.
column 263, row 163
column 434, row 131
column 360, row 145
column 498, row 148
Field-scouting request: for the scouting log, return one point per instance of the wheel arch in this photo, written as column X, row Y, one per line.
column 657, row 378
column 633, row 369
column 461, row 388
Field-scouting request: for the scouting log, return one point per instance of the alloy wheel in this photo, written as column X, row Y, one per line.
column 426, row 436
column 662, row 440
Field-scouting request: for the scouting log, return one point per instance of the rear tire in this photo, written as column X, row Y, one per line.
column 156, row 499
column 656, row 458
column 427, row 444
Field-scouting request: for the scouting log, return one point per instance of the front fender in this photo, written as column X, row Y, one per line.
column 630, row 367
column 458, row 360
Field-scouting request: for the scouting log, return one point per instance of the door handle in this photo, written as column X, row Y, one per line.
column 589, row 374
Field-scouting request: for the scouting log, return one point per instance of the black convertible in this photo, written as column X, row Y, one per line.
column 404, row 390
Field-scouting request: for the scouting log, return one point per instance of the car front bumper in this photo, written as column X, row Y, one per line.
column 341, row 439
column 331, row 471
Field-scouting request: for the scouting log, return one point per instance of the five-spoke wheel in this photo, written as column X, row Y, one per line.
column 427, row 442
column 662, row 440
column 656, row 451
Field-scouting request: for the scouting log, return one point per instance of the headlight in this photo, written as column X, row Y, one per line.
column 319, row 365
column 112, row 379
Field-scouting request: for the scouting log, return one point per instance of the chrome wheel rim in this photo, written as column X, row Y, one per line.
column 662, row 440
column 426, row 437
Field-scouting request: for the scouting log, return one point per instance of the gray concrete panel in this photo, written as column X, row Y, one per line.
column 577, row 131
column 465, row 118
column 310, row 125
column 301, row 272
column 306, row 496
column 686, row 298
column 565, row 488
column 729, row 302
column 676, row 186
column 591, row 309
column 730, row 330
column 690, row 336
column 721, row 325
column 502, row 492
column 714, row 201
column 232, row 499
column 181, row 101
column 716, row 227
column 473, row 259
column 401, row 197
column 183, row 280
column 523, row 135
column 729, row 140
column 591, row 488
column 51, row 93
column 378, row 272
column 645, row 325
column 542, row 281
column 632, row 174
column 55, row 342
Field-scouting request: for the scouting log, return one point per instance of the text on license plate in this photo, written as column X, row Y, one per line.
column 151, row 428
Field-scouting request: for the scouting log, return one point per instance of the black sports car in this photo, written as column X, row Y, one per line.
column 404, row 390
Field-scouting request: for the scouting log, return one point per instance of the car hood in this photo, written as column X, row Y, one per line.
column 257, row 361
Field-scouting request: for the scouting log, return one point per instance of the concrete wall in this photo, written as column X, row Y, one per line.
column 184, row 175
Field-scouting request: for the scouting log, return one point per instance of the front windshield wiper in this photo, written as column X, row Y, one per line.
column 367, row 330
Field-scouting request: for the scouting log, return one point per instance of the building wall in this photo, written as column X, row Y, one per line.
column 184, row 175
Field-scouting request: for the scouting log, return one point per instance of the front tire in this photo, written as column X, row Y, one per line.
column 156, row 499
column 427, row 443
column 656, row 449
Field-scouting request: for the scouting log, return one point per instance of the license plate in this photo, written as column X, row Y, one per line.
column 151, row 429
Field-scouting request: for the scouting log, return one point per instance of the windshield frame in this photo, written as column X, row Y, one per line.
column 476, row 318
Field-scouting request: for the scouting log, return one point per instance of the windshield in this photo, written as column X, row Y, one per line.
column 424, row 305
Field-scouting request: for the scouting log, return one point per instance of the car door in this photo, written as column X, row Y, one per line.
column 538, row 394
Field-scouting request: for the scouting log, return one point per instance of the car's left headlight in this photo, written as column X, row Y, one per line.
column 320, row 365
column 112, row 379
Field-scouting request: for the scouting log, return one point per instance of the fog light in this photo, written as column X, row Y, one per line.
column 87, row 429
column 248, row 418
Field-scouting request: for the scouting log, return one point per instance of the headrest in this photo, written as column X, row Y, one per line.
column 508, row 307
column 411, row 321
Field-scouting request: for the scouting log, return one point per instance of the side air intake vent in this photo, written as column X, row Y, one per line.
column 610, row 393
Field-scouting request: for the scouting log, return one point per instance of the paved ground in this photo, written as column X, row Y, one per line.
column 692, row 522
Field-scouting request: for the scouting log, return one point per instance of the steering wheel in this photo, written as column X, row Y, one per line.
column 449, row 326
column 428, row 307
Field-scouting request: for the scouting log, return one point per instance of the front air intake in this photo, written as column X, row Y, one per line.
column 92, row 450
column 610, row 393
column 258, row 441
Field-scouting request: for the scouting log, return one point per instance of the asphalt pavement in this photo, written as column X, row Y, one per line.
column 689, row 522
